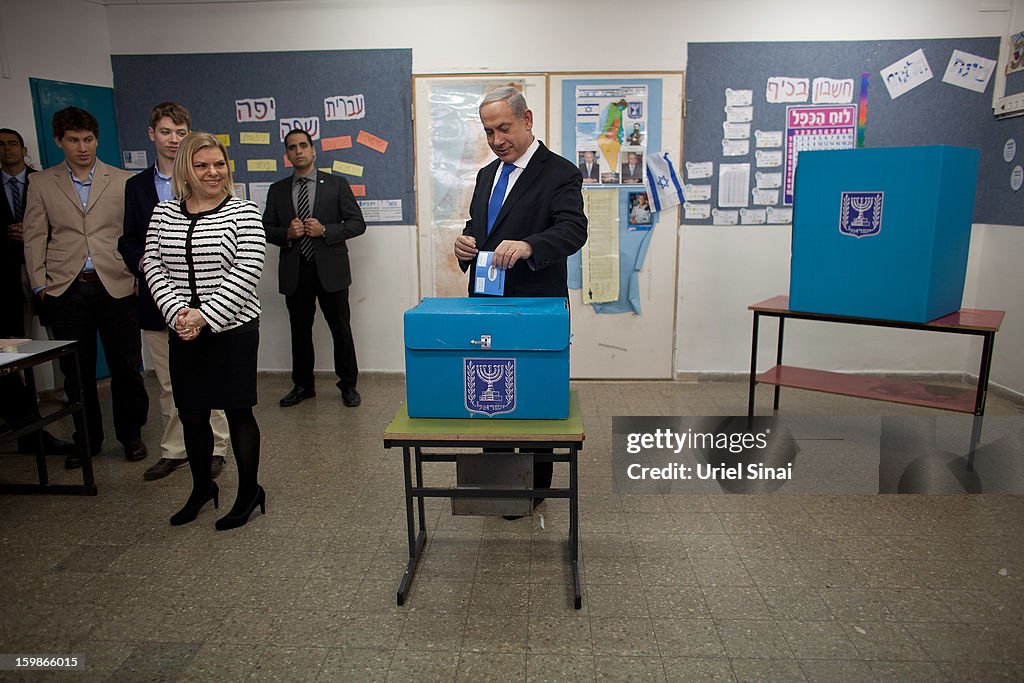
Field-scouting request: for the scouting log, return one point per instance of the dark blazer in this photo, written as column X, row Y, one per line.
column 637, row 176
column 12, row 255
column 335, row 207
column 544, row 209
column 12, row 252
column 140, row 199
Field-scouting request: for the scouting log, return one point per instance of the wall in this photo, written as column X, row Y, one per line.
column 60, row 40
column 721, row 272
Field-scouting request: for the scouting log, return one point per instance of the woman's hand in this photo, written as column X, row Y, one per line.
column 189, row 323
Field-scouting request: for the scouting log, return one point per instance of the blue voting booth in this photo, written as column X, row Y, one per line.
column 882, row 233
column 484, row 357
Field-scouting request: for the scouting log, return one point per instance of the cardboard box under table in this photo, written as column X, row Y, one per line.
column 882, row 233
column 497, row 358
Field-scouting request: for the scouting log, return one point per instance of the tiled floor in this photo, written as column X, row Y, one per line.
column 676, row 588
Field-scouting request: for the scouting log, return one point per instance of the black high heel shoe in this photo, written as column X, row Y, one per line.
column 192, row 507
column 235, row 520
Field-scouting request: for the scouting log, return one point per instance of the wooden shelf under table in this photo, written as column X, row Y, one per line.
column 982, row 323
column 909, row 392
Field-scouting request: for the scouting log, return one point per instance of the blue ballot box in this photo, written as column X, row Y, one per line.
column 882, row 233
column 481, row 357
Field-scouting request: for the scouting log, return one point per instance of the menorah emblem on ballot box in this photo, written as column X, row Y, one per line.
column 868, row 209
column 490, row 385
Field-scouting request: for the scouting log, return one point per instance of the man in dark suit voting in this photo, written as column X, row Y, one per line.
column 527, row 208
column 310, row 216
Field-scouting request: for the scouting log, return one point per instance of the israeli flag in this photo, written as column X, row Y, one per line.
column 664, row 187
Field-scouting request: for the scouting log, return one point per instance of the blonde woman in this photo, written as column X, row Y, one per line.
column 203, row 261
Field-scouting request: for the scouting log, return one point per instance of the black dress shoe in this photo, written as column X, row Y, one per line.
column 350, row 397
column 296, row 396
column 135, row 450
column 216, row 466
column 162, row 468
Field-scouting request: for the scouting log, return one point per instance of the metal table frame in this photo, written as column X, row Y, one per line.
column 976, row 322
column 412, row 435
column 32, row 354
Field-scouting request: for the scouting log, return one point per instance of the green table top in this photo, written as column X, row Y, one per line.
column 405, row 428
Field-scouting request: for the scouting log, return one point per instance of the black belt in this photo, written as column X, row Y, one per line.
column 88, row 276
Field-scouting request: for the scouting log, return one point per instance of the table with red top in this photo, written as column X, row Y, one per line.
column 969, row 321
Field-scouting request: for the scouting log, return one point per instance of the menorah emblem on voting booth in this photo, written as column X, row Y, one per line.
column 860, row 213
column 490, row 385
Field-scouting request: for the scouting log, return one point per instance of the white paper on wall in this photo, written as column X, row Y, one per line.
column 739, row 114
column 735, row 131
column 906, row 74
column 768, row 181
column 968, row 71
column 832, row 91
column 696, row 211
column 697, row 193
column 738, row 98
column 733, row 184
column 752, row 216
column 786, row 89
column 699, row 169
column 768, row 158
column 779, row 215
column 722, row 217
column 768, row 138
column 735, row 148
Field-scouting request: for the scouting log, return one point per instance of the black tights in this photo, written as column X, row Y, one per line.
column 245, row 442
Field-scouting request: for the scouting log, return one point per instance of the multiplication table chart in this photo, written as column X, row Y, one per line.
column 813, row 128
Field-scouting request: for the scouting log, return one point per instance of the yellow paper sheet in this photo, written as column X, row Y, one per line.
column 253, row 138
column 224, row 138
column 261, row 165
column 348, row 169
column 601, row 252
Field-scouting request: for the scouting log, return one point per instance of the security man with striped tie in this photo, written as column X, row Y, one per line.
column 311, row 215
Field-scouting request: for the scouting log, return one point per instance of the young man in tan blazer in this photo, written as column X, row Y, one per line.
column 74, row 216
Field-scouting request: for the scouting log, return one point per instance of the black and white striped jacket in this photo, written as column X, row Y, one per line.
column 212, row 261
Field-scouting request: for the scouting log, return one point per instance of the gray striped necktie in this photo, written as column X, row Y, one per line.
column 16, row 200
column 302, row 210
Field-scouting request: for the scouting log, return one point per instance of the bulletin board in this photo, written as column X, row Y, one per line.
column 451, row 148
column 935, row 112
column 356, row 105
column 633, row 338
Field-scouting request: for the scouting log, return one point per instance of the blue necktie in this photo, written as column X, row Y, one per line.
column 498, row 196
